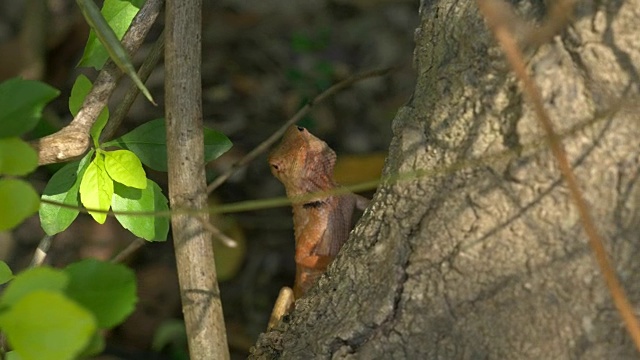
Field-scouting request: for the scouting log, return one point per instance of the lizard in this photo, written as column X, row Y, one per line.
column 321, row 218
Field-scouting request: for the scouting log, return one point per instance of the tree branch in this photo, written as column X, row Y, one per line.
column 201, row 304
column 73, row 140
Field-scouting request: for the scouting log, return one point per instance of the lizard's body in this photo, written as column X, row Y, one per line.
column 321, row 218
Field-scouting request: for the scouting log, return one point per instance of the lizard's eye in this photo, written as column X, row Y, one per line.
column 300, row 128
column 274, row 166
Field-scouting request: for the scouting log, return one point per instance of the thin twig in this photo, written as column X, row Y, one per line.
column 147, row 67
column 41, row 251
column 516, row 61
column 215, row 232
column 128, row 251
column 295, row 118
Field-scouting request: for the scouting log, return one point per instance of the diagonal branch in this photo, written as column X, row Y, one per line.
column 73, row 140
column 262, row 147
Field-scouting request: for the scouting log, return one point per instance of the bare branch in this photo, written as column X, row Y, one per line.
column 199, row 291
column 41, row 251
column 129, row 250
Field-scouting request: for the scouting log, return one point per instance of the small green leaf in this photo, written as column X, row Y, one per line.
column 169, row 332
column 111, row 43
column 18, row 200
column 215, row 144
column 45, row 323
column 149, row 142
column 98, row 126
column 79, row 92
column 12, row 355
column 96, row 188
column 124, row 167
column 21, row 104
column 150, row 199
column 107, row 290
column 118, row 14
column 63, row 187
column 40, row 278
column 94, row 347
column 17, row 157
column 5, row 272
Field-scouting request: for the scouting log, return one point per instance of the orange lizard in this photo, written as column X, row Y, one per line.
column 321, row 219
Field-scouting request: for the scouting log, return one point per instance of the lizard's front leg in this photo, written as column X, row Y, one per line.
column 308, row 268
column 306, row 265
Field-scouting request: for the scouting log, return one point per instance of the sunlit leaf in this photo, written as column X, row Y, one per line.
column 150, row 199
column 46, row 324
column 96, row 188
column 124, row 167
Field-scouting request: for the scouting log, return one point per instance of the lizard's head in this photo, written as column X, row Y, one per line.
column 302, row 162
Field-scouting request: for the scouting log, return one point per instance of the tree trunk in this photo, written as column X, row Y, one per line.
column 473, row 249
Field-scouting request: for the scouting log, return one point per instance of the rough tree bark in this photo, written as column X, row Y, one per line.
column 478, row 255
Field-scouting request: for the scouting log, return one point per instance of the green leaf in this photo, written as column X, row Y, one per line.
column 79, row 92
column 18, row 200
column 96, row 188
column 40, row 278
column 5, row 273
column 98, row 126
column 111, row 43
column 118, row 14
column 12, row 355
column 215, row 144
column 17, row 157
column 21, row 104
column 45, row 323
column 149, row 142
column 107, row 290
column 124, row 167
column 150, row 199
column 94, row 347
column 169, row 332
column 63, row 187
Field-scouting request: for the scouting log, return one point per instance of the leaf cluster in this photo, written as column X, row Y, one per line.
column 21, row 104
column 60, row 313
